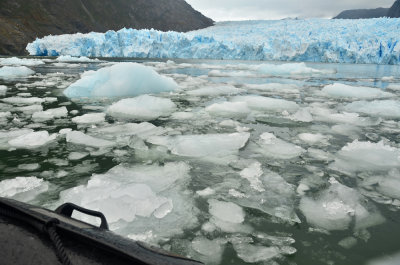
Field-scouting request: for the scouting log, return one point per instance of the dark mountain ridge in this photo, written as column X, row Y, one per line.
column 363, row 13
column 394, row 11
column 22, row 21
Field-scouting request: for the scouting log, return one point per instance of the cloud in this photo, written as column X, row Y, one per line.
column 221, row 10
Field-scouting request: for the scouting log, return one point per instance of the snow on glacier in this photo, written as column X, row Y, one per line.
column 120, row 80
column 313, row 40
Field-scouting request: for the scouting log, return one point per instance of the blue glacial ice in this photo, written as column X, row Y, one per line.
column 312, row 40
column 120, row 80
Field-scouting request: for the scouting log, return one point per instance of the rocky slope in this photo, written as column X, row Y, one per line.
column 363, row 13
column 394, row 11
column 24, row 20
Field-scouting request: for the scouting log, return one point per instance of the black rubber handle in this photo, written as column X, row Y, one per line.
column 67, row 208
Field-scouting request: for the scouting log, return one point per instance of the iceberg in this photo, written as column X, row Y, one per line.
column 306, row 40
column 120, row 80
column 15, row 72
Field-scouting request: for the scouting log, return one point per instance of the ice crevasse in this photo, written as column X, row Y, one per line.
column 313, row 40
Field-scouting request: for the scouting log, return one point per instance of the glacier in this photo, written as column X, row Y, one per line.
column 372, row 41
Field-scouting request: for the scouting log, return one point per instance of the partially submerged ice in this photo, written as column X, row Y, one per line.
column 120, row 80
column 23, row 188
column 336, row 208
column 144, row 195
column 315, row 40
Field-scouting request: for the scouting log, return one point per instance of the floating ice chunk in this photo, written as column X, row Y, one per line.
column 226, row 211
column 267, row 104
column 23, row 101
column 288, row 69
column 33, row 140
column 215, row 91
column 3, row 90
column 253, row 174
column 378, row 108
column 314, row 138
column 143, row 195
column 21, row 61
column 143, row 108
column 50, row 114
column 275, row 87
column 338, row 90
column 15, row 72
column 210, row 250
column 254, row 254
column 182, row 115
column 6, row 136
column 273, row 195
column 120, row 80
column 79, row 138
column 207, row 145
column 227, row 216
column 23, row 188
column 274, row 147
column 394, row 87
column 30, row 109
column 327, row 115
column 386, row 260
column 142, row 130
column 91, row 118
column 302, row 115
column 29, row 167
column 71, row 59
column 348, row 242
column 206, row 192
column 77, row 156
column 5, row 115
column 366, row 156
column 229, row 109
column 335, row 208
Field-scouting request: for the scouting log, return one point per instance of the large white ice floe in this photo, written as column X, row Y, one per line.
column 142, row 108
column 144, row 195
column 337, row 207
column 23, row 100
column 23, row 188
column 267, row 104
column 314, row 40
column 32, row 140
column 120, row 80
column 20, row 61
column 366, row 156
column 338, row 90
column 15, row 72
column 206, row 145
column 376, row 108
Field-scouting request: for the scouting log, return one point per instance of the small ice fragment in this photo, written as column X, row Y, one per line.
column 229, row 109
column 253, row 254
column 3, row 90
column 77, row 156
column 348, row 242
column 23, row 101
column 253, row 174
column 314, row 138
column 376, row 108
column 91, row 118
column 215, row 91
column 29, row 167
column 267, row 104
column 273, row 147
column 206, row 192
column 50, row 114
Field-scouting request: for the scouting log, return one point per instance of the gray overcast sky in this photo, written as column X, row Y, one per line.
column 222, row 10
